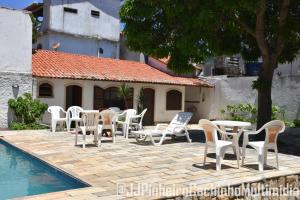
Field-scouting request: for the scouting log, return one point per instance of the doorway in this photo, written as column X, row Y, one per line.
column 73, row 96
column 149, row 102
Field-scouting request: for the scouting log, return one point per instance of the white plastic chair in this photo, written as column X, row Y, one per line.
column 90, row 123
column 116, row 109
column 136, row 121
column 272, row 130
column 107, row 118
column 211, row 135
column 56, row 118
column 73, row 114
column 178, row 126
column 127, row 114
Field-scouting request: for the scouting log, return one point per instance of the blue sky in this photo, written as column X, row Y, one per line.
column 17, row 4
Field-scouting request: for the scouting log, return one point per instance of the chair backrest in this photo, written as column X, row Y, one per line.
column 107, row 117
column 129, row 113
column 180, row 119
column 210, row 130
column 273, row 129
column 74, row 112
column 142, row 115
column 90, row 120
column 55, row 111
column 116, row 109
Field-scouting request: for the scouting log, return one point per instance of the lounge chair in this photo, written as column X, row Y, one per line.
column 272, row 130
column 178, row 126
column 56, row 118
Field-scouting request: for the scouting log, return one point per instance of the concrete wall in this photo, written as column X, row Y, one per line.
column 15, row 59
column 15, row 40
column 59, row 90
column 285, row 93
column 80, row 45
column 107, row 26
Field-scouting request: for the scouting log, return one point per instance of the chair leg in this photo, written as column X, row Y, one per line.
column 205, row 154
column 265, row 156
column 162, row 139
column 68, row 125
column 187, row 136
column 113, row 135
column 261, row 159
column 76, row 137
column 53, row 126
column 236, row 149
column 243, row 154
column 218, row 159
column 277, row 160
column 84, row 138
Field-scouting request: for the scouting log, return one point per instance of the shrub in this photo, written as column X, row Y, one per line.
column 297, row 122
column 27, row 110
column 248, row 112
column 23, row 126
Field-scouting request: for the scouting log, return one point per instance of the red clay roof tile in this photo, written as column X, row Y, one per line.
column 53, row 64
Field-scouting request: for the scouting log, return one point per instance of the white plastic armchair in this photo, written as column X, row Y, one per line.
column 90, row 123
column 127, row 114
column 73, row 114
column 272, row 130
column 108, row 118
column 137, row 120
column 211, row 135
column 56, row 117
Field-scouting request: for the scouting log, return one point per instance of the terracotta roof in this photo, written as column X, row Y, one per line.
column 53, row 64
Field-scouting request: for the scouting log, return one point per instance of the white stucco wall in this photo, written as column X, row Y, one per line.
column 79, row 45
column 15, row 59
column 285, row 93
column 107, row 26
column 59, row 90
column 15, row 41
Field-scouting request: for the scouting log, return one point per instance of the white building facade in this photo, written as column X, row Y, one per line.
column 15, row 59
column 90, row 27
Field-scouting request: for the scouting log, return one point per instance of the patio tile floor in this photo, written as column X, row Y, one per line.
column 126, row 163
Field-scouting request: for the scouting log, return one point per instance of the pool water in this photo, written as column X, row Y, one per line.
column 22, row 175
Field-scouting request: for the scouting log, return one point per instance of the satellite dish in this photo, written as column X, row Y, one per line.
column 55, row 46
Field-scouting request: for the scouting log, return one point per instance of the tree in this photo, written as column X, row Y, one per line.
column 190, row 31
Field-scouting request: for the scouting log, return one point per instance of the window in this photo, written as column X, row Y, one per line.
column 95, row 13
column 174, row 100
column 70, row 10
column 45, row 90
column 100, row 52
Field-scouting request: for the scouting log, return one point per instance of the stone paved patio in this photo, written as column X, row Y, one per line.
column 128, row 164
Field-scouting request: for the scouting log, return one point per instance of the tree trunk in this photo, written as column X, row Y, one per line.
column 264, row 88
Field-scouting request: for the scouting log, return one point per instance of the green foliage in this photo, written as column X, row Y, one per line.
column 297, row 122
column 36, row 24
column 27, row 110
column 194, row 30
column 248, row 112
column 23, row 126
column 124, row 93
column 140, row 101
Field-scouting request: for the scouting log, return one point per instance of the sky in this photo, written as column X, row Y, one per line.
column 17, row 4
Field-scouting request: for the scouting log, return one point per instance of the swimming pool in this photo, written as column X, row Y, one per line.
column 21, row 174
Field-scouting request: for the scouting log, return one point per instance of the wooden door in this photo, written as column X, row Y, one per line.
column 149, row 103
column 73, row 96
